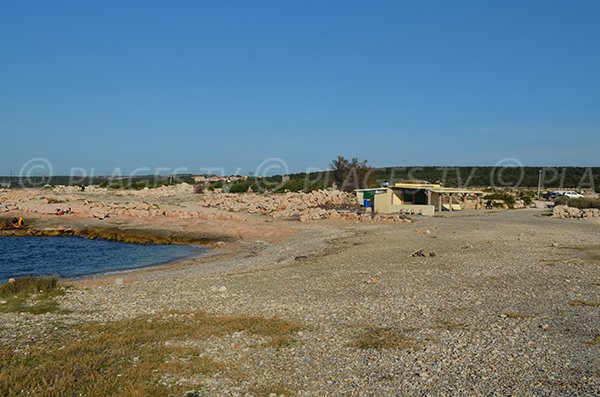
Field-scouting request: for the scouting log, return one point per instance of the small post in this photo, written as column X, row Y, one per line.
column 539, row 184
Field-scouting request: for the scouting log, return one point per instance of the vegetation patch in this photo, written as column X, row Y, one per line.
column 515, row 315
column 384, row 338
column 35, row 295
column 581, row 203
column 271, row 389
column 450, row 325
column 29, row 285
column 595, row 341
column 585, row 303
column 506, row 197
column 146, row 356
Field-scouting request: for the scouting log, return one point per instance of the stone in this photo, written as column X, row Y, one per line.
column 418, row 253
column 11, row 280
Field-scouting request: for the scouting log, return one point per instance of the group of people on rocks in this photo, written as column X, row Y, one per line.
column 63, row 212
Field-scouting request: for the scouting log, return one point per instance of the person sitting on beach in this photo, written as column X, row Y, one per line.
column 18, row 222
column 59, row 212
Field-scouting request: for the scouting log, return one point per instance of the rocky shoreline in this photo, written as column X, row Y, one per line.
column 134, row 236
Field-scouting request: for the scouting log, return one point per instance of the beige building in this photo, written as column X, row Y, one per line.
column 418, row 198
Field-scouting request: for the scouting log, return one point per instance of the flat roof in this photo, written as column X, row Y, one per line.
column 455, row 190
column 439, row 189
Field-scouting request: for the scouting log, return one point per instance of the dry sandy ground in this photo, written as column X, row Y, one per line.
column 491, row 313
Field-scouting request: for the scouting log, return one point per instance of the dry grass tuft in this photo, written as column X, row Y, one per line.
column 146, row 356
column 585, row 303
column 30, row 285
column 384, row 338
column 595, row 341
column 271, row 389
column 30, row 295
column 515, row 315
column 450, row 325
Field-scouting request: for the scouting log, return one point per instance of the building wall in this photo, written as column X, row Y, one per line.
column 383, row 202
column 389, row 203
column 359, row 198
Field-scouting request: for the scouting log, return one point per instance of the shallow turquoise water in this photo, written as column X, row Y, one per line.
column 77, row 256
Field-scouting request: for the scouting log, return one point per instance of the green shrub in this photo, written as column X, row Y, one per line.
column 508, row 198
column 293, row 185
column 527, row 197
column 215, row 185
column 240, row 187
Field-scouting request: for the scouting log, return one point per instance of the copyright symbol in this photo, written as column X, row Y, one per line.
column 37, row 171
column 507, row 172
column 272, row 166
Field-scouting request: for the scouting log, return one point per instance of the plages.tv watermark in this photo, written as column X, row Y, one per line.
column 272, row 174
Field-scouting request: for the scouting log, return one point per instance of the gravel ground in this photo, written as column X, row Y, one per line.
column 490, row 311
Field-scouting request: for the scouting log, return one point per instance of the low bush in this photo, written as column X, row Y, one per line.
column 527, row 197
column 215, row 185
column 581, row 203
column 240, row 187
column 508, row 198
column 199, row 188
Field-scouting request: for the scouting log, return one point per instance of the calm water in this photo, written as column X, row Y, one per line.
column 77, row 256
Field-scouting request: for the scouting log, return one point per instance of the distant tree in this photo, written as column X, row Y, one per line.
column 351, row 174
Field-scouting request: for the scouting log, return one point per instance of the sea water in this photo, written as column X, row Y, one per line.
column 77, row 256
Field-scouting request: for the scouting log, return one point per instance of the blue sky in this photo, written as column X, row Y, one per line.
column 229, row 84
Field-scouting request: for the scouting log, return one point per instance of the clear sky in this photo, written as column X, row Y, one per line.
column 229, row 84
